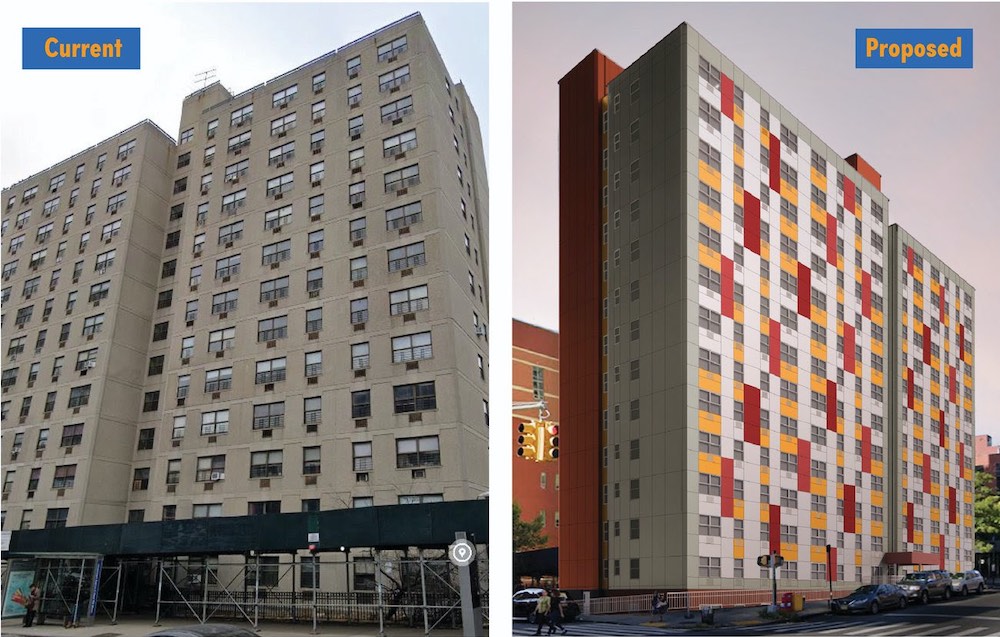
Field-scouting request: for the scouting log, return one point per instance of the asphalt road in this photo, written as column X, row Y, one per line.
column 974, row 616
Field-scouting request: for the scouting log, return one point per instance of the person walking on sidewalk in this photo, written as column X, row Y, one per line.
column 556, row 613
column 542, row 608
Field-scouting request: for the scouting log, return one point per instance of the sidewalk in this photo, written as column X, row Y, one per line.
column 139, row 627
column 745, row 616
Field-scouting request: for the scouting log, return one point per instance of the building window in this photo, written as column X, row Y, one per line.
column 394, row 78
column 403, row 216
column 269, row 416
column 415, row 397
column 56, row 518
column 78, row 396
column 270, row 371
column 266, row 507
column 395, row 111
column 272, row 329
column 207, row 511
column 418, row 452
column 408, row 301
column 397, row 180
column 412, row 347
column 314, row 320
column 220, row 340
column 140, row 479
column 312, row 410
column 64, row 477
column 359, row 269
column 420, row 499
column 361, row 404
column 274, row 289
column 283, row 97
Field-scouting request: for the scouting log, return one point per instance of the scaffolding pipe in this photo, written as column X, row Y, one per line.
column 204, row 591
column 159, row 591
column 378, row 589
column 314, row 591
column 295, row 606
column 118, row 589
column 256, row 591
column 423, row 592
column 79, row 589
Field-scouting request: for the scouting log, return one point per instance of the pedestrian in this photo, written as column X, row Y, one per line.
column 542, row 608
column 556, row 613
column 31, row 605
column 659, row 604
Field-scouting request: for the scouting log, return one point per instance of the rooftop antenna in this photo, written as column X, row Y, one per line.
column 204, row 77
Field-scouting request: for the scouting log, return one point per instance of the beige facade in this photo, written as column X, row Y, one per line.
column 257, row 292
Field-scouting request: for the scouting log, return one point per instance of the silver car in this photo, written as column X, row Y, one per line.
column 965, row 582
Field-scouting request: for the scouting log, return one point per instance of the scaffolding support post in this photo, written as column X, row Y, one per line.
column 118, row 590
column 378, row 588
column 423, row 592
column 159, row 592
column 256, row 591
column 314, row 592
column 204, row 591
column 79, row 589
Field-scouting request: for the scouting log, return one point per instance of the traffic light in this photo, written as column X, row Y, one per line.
column 552, row 440
column 313, row 549
column 529, row 441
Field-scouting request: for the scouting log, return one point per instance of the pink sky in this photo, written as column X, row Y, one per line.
column 933, row 134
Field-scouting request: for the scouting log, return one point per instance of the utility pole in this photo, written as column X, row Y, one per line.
column 774, row 579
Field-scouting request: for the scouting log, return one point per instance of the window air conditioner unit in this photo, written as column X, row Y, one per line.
column 218, row 475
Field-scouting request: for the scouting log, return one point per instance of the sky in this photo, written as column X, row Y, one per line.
column 59, row 113
column 933, row 134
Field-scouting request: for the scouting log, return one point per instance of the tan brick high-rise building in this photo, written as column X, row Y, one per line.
column 283, row 311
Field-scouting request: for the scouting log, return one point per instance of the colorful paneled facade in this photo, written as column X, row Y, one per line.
column 747, row 375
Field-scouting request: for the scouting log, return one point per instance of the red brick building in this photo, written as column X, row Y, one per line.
column 536, row 376
column 987, row 454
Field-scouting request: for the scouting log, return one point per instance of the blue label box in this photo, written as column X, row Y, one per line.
column 84, row 48
column 913, row 48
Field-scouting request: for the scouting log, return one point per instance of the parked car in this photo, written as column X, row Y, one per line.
column 871, row 598
column 923, row 585
column 526, row 599
column 965, row 582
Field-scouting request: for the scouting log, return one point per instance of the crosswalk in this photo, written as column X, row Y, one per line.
column 599, row 629
column 877, row 628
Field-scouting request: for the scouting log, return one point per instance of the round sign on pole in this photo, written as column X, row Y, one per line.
column 461, row 552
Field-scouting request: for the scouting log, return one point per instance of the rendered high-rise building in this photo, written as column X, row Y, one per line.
column 728, row 345
column 283, row 311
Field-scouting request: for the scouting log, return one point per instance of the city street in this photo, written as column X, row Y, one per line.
column 975, row 616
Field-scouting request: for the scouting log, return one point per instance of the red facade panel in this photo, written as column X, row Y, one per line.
column 848, row 195
column 941, row 304
column 909, row 260
column 952, row 385
column 774, row 340
column 927, row 473
column 952, row 506
column 866, row 295
column 774, row 528
column 866, row 449
column 927, row 344
column 727, row 287
column 727, row 487
column 909, row 522
column 909, row 388
column 775, row 164
column 849, row 508
column 831, row 239
column 580, row 299
column 751, row 414
column 751, row 222
column 831, row 405
column 941, row 550
column 848, row 348
column 727, row 96
column 805, row 290
column 831, row 568
column 804, row 465
column 961, row 341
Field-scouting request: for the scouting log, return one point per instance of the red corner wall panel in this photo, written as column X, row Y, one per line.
column 866, row 449
column 909, row 388
column 952, row 506
column 727, row 487
column 848, row 195
column 774, row 340
column 727, row 96
column 927, row 344
column 804, row 465
column 941, row 304
column 751, row 414
column 866, row 295
column 909, row 260
column 831, row 239
column 831, row 405
column 751, row 222
column 831, row 568
column 941, row 550
column 580, row 149
column 848, row 348
column 909, row 522
column 849, row 509
column 805, row 290
column 774, row 528
column 927, row 473
column 727, row 287
column 961, row 341
column 775, row 164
